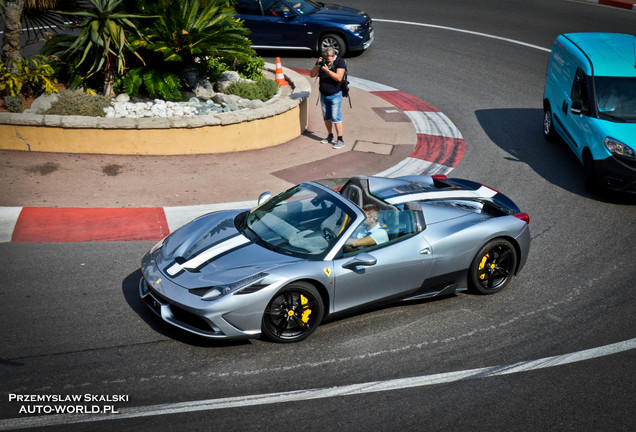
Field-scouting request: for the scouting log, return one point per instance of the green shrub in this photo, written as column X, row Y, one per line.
column 248, row 66
column 214, row 67
column 263, row 89
column 156, row 83
column 34, row 77
column 78, row 102
column 13, row 103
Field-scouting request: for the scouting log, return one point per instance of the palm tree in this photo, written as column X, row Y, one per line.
column 14, row 12
column 102, row 42
column 188, row 30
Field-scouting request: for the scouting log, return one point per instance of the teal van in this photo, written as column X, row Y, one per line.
column 590, row 102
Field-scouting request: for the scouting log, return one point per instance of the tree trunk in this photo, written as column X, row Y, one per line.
column 12, row 29
column 109, row 77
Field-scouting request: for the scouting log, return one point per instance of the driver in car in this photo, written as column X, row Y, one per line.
column 370, row 233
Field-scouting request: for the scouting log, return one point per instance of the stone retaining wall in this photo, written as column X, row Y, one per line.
column 283, row 118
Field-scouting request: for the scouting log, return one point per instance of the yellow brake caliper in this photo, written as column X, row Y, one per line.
column 305, row 316
column 482, row 264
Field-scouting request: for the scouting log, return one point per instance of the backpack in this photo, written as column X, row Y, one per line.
column 344, row 85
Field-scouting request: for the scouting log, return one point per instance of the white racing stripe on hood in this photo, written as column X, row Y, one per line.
column 208, row 254
column 482, row 192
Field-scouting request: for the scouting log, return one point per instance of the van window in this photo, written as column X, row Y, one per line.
column 580, row 90
column 616, row 98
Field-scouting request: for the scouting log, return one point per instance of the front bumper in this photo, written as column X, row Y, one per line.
column 360, row 42
column 615, row 175
column 228, row 317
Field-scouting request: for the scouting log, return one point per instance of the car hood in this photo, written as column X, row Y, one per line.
column 211, row 251
column 624, row 132
column 341, row 14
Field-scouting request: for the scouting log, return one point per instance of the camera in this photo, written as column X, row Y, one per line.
column 322, row 62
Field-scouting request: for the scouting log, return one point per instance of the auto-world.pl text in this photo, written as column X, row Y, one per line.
column 67, row 404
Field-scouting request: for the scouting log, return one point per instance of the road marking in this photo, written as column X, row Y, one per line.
column 474, row 33
column 322, row 393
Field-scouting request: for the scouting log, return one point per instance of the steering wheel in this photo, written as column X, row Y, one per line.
column 329, row 234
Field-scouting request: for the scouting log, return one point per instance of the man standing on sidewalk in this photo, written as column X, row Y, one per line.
column 330, row 71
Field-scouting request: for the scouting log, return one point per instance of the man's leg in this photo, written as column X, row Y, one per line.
column 329, row 126
column 338, row 128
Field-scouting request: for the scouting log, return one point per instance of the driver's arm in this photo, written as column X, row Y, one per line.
column 365, row 241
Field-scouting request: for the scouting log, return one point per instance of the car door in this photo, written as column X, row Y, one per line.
column 251, row 13
column 272, row 23
column 576, row 124
column 381, row 272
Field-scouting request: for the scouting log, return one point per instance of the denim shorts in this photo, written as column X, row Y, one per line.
column 331, row 107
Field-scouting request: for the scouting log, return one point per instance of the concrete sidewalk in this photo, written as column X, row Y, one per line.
column 386, row 131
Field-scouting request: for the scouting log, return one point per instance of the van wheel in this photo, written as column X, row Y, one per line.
column 548, row 129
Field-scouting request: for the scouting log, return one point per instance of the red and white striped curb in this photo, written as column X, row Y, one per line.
column 623, row 4
column 439, row 148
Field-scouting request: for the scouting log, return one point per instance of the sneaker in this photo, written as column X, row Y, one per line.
column 328, row 140
column 338, row 145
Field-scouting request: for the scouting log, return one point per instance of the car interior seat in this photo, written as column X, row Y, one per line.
column 419, row 222
column 357, row 191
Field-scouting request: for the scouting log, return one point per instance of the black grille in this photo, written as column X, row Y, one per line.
column 190, row 319
column 182, row 316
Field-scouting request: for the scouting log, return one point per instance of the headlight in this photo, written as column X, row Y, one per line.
column 619, row 149
column 219, row 291
column 354, row 28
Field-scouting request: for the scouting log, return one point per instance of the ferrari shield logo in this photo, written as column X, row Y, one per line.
column 327, row 271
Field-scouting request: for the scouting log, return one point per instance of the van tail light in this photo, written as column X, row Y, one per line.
column 524, row 217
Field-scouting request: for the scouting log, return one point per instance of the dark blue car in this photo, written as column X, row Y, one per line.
column 305, row 24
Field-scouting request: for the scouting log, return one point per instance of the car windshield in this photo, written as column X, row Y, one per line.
column 305, row 7
column 616, row 98
column 303, row 221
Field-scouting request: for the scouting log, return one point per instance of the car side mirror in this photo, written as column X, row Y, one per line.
column 360, row 260
column 288, row 14
column 264, row 197
column 577, row 107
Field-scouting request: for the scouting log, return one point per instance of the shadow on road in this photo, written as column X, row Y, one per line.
column 554, row 161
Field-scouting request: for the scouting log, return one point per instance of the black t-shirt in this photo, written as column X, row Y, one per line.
column 327, row 85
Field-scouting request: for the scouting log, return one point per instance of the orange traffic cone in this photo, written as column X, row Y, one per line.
column 280, row 78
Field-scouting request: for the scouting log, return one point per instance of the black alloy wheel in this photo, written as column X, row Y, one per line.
column 493, row 266
column 293, row 313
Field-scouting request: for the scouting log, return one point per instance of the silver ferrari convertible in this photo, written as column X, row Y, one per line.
column 330, row 247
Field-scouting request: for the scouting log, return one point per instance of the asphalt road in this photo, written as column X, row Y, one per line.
column 71, row 322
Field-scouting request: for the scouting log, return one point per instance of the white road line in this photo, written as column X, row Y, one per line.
column 464, row 31
column 322, row 393
column 8, row 219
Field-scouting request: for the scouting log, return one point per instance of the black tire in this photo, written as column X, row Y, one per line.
column 493, row 267
column 590, row 174
column 293, row 313
column 334, row 41
column 548, row 127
